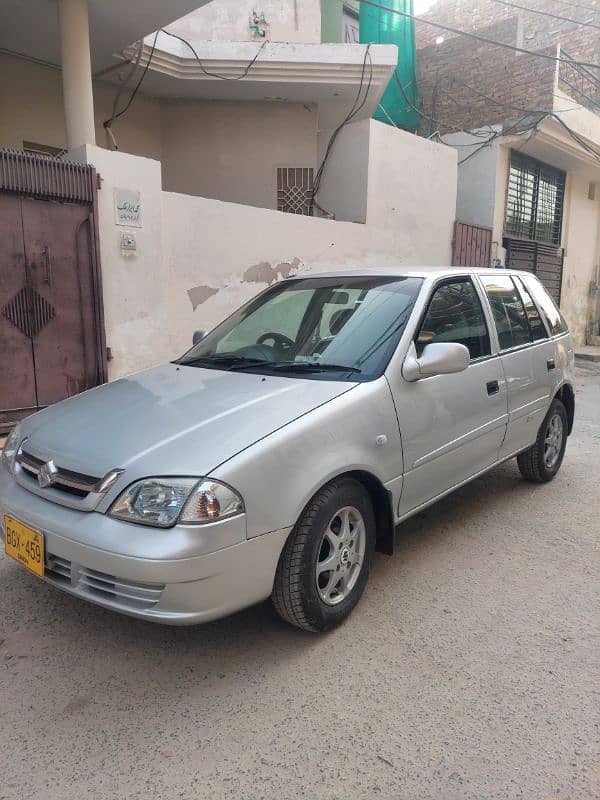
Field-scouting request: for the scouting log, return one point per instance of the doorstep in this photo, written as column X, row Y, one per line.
column 587, row 353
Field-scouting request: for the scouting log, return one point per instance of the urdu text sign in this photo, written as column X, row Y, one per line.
column 128, row 208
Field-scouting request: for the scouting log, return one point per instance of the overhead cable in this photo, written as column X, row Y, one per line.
column 539, row 11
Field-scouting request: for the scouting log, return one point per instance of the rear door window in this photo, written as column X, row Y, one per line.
column 455, row 314
column 538, row 329
column 556, row 323
column 508, row 311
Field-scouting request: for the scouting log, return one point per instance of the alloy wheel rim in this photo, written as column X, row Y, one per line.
column 341, row 555
column 553, row 441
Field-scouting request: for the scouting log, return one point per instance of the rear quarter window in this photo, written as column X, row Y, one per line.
column 508, row 311
column 544, row 302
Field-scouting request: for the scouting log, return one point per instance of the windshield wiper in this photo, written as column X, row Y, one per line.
column 238, row 363
column 308, row 366
column 227, row 360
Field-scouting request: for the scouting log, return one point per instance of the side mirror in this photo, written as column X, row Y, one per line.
column 437, row 358
column 198, row 336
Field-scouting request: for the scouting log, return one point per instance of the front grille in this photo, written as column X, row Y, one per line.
column 65, row 480
column 100, row 585
column 58, row 569
column 109, row 587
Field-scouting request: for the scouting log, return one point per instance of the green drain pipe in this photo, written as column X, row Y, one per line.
column 383, row 26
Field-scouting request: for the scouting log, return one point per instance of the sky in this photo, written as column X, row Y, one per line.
column 422, row 5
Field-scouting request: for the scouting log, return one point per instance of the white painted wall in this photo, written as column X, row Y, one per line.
column 344, row 185
column 581, row 238
column 412, row 187
column 229, row 252
column 135, row 287
column 231, row 150
column 197, row 259
column 376, row 172
column 476, row 189
column 288, row 21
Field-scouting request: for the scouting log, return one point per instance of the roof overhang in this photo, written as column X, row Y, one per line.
column 30, row 27
column 563, row 148
column 329, row 75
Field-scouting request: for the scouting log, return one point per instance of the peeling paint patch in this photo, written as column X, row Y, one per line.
column 263, row 272
column 287, row 268
column 200, row 294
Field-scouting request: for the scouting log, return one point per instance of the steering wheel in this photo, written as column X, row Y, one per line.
column 279, row 339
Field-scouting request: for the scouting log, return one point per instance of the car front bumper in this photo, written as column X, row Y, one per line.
column 176, row 585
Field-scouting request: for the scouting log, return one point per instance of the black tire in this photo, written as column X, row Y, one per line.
column 296, row 596
column 533, row 463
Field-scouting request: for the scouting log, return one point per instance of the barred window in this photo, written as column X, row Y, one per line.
column 535, row 200
column 294, row 189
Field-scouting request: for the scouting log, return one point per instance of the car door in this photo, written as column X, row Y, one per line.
column 527, row 356
column 452, row 425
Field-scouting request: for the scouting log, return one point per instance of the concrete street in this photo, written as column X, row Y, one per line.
column 469, row 671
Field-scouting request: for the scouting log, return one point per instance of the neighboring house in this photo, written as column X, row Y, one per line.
column 110, row 258
column 527, row 132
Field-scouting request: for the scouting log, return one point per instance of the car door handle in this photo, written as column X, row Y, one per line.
column 492, row 387
column 551, row 364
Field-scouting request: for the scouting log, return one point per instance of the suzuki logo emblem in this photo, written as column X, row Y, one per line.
column 47, row 474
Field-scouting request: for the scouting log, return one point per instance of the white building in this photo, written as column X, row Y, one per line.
column 213, row 146
column 538, row 194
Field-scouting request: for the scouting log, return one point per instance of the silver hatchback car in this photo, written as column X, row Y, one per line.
column 279, row 453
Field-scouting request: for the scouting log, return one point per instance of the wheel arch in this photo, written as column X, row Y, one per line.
column 381, row 500
column 566, row 395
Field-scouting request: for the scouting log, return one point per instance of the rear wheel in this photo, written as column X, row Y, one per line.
column 326, row 561
column 541, row 462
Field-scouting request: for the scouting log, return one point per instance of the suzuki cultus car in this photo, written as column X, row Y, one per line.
column 279, row 453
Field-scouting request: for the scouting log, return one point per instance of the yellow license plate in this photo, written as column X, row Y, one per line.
column 24, row 544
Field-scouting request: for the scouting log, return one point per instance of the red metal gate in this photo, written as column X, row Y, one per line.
column 472, row 245
column 51, row 323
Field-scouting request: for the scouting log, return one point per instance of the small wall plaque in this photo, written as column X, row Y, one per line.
column 128, row 208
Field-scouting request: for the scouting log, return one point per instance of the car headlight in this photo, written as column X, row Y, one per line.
column 10, row 448
column 161, row 502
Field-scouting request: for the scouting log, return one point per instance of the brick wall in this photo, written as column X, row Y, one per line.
column 455, row 75
column 538, row 31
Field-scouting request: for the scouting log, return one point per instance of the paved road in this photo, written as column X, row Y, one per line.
column 470, row 670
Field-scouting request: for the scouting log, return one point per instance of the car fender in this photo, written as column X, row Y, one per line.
column 277, row 476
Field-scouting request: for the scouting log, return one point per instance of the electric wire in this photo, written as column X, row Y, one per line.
column 542, row 115
column 207, row 72
column 108, row 123
column 132, row 68
column 358, row 104
column 581, row 5
column 542, row 13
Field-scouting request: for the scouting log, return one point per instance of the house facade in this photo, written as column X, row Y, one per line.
column 527, row 132
column 158, row 166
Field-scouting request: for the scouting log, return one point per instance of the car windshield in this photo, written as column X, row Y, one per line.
column 342, row 328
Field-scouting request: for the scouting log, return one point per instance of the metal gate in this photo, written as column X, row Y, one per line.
column 472, row 245
column 51, row 319
column 544, row 260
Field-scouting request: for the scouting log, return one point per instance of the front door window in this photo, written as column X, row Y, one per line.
column 455, row 314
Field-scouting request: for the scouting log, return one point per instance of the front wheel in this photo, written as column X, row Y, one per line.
column 541, row 461
column 326, row 561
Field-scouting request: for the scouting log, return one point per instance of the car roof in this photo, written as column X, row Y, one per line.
column 407, row 271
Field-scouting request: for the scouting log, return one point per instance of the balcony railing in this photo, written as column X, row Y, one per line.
column 579, row 83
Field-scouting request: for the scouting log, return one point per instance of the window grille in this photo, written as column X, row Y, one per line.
column 294, row 189
column 535, row 200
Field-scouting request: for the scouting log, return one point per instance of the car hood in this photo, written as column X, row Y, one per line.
column 171, row 419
